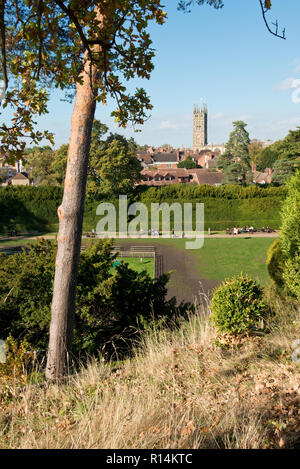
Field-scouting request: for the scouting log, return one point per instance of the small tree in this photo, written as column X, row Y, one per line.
column 188, row 163
column 59, row 164
column 238, row 173
column 237, row 147
column 89, row 48
column 113, row 168
column 266, row 158
column 38, row 162
column 283, row 170
column 255, row 148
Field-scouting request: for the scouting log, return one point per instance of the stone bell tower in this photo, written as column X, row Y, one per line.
column 200, row 127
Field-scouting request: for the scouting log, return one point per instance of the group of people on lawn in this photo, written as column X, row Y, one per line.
column 248, row 229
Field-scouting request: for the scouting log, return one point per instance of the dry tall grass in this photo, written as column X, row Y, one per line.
column 191, row 388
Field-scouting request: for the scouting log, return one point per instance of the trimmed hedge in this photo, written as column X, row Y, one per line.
column 192, row 191
column 29, row 208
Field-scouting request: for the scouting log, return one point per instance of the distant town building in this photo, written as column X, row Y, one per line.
column 7, row 170
column 163, row 177
column 159, row 159
column 200, row 127
column 19, row 179
column 200, row 131
column 262, row 177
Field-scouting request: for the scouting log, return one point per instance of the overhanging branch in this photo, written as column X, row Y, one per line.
column 275, row 33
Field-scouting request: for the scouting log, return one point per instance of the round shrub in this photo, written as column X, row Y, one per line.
column 237, row 305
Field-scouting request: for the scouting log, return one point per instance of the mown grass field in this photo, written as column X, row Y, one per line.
column 219, row 258
column 135, row 264
column 222, row 258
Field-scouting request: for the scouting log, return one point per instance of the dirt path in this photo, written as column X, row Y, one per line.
column 185, row 282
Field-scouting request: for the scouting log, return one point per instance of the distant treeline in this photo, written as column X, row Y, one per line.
column 29, row 208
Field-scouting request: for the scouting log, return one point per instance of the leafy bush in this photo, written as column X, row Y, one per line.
column 111, row 304
column 291, row 276
column 237, row 305
column 275, row 262
column 18, row 358
column 290, row 236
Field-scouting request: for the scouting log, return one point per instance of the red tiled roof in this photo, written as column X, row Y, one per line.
column 203, row 176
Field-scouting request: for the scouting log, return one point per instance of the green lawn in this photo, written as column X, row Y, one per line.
column 22, row 240
column 17, row 242
column 221, row 258
column 135, row 264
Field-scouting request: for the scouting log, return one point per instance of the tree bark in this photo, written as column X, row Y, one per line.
column 70, row 214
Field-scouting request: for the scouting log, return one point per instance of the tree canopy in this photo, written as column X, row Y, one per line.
column 46, row 166
column 188, row 163
column 113, row 167
column 283, row 156
column 235, row 162
column 47, row 43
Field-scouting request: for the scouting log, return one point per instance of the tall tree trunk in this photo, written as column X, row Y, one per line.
column 70, row 215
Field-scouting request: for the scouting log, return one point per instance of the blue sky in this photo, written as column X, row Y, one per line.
column 225, row 57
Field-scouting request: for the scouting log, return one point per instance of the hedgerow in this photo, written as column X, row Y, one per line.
column 28, row 208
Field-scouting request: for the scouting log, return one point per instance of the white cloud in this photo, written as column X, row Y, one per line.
column 273, row 129
column 296, row 63
column 218, row 115
column 288, row 84
column 168, row 125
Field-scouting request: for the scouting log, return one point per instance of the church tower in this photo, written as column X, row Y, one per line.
column 200, row 127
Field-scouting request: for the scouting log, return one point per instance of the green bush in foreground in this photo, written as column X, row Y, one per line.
column 275, row 262
column 112, row 305
column 290, row 237
column 237, row 305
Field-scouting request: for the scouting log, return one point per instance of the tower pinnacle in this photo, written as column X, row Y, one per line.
column 200, row 127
